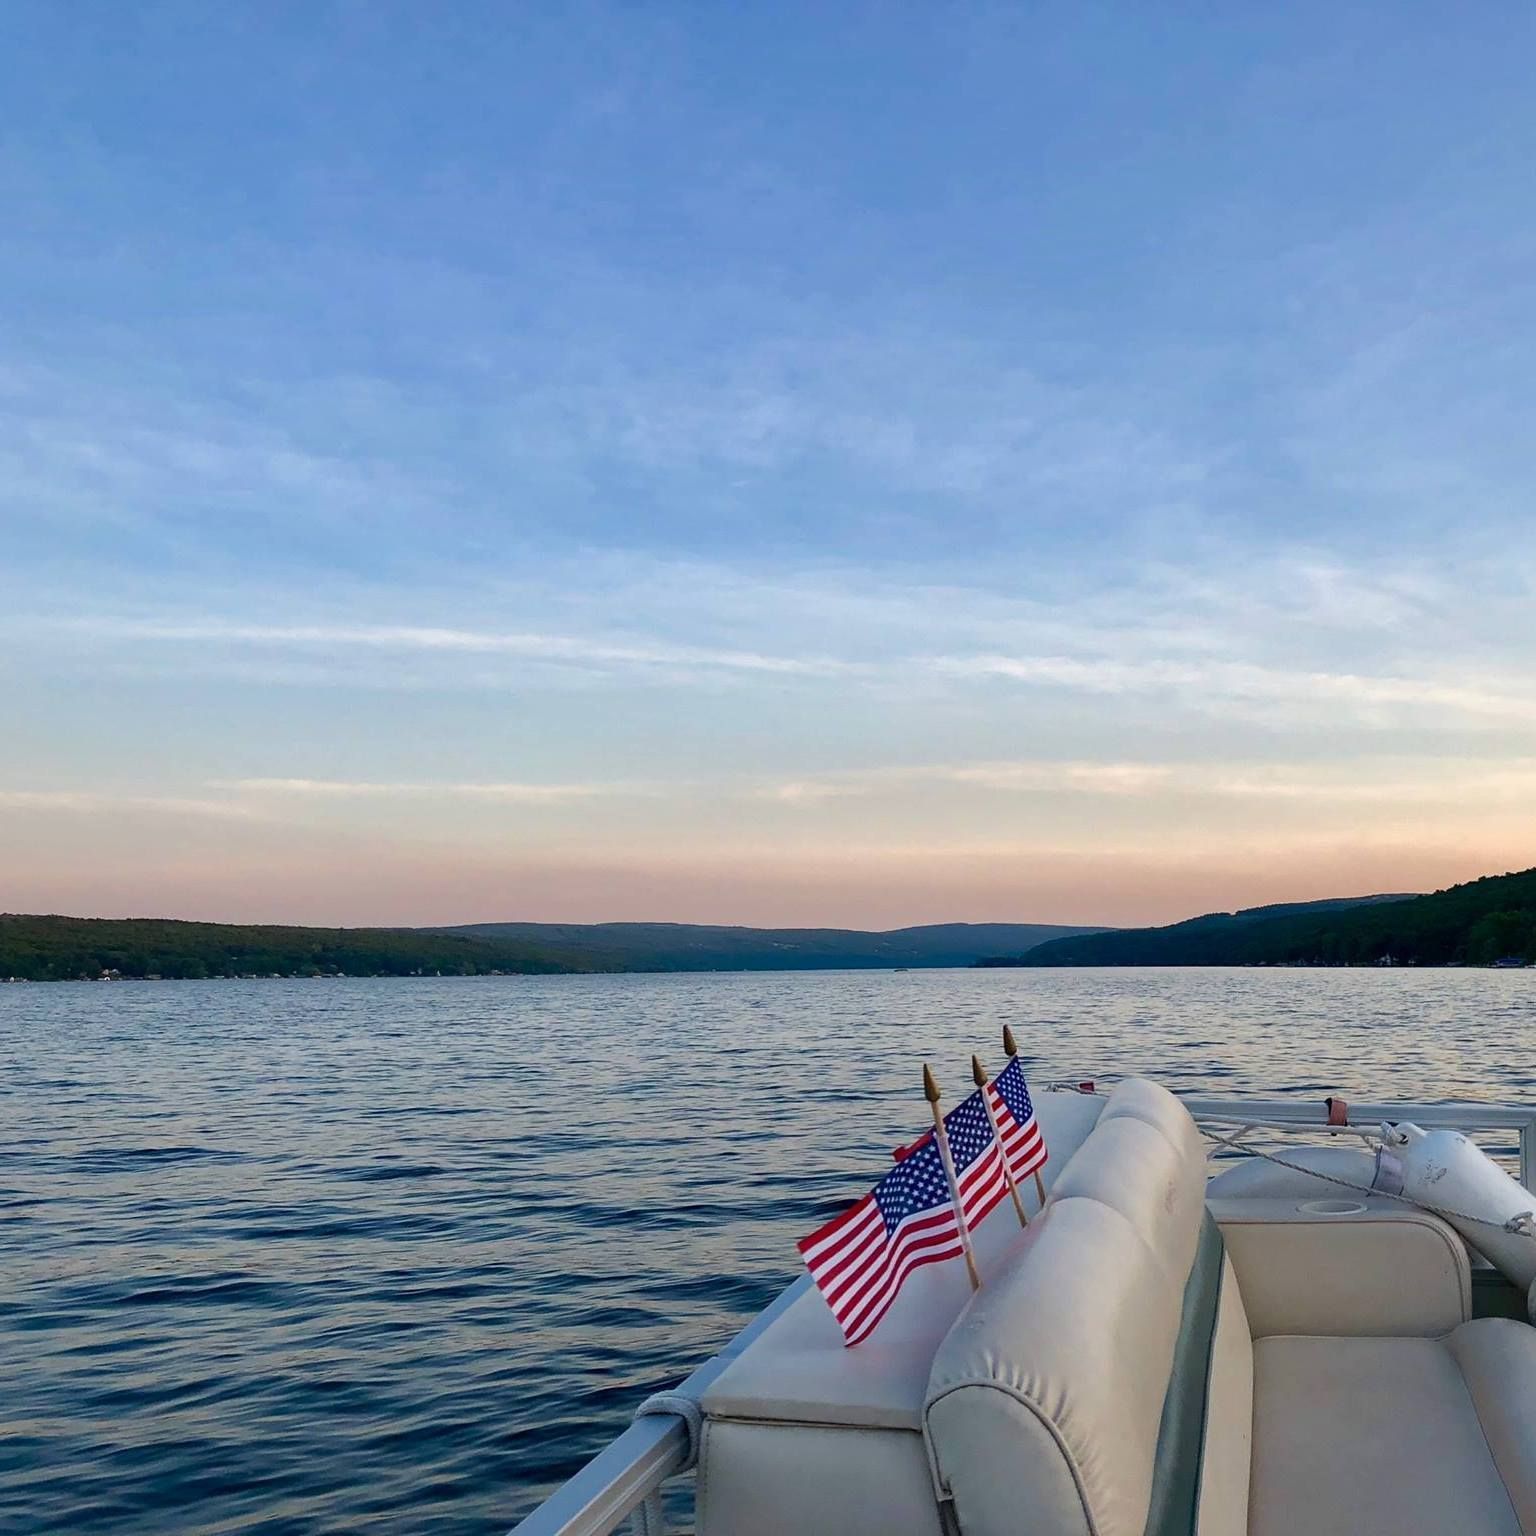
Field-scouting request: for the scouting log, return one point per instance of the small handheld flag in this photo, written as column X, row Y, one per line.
column 977, row 1154
column 860, row 1259
column 1022, row 1139
column 979, row 1074
column 979, row 1173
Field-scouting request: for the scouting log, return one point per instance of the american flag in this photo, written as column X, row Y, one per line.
column 978, row 1162
column 978, row 1159
column 861, row 1258
column 1023, row 1145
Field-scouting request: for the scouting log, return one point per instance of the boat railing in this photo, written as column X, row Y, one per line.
column 1236, row 1118
column 623, row 1482
column 625, row 1478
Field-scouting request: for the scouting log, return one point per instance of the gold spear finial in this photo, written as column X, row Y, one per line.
column 930, row 1085
column 1009, row 1043
column 978, row 1072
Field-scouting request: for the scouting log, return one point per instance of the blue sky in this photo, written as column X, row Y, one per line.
column 785, row 464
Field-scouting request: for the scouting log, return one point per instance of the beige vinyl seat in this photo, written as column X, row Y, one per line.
column 1145, row 1362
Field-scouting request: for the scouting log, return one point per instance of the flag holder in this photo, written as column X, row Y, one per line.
column 979, row 1077
column 1011, row 1046
column 931, row 1093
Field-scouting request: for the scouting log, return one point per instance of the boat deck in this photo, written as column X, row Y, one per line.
column 625, row 1480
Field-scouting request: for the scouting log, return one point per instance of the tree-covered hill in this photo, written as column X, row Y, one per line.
column 36, row 948
column 708, row 947
column 1474, row 924
column 66, row 948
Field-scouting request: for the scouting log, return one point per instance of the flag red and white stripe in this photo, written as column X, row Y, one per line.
column 860, row 1259
column 1023, row 1142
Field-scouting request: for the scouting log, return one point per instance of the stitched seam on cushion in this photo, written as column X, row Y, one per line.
column 1493, row 1460
column 1043, row 1418
column 831, row 1425
column 1461, row 1264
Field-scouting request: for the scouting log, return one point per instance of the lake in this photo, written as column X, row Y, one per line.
column 289, row 1257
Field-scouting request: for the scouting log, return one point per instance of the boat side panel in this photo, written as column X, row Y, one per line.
column 766, row 1479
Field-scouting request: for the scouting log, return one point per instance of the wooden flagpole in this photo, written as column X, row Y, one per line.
column 979, row 1077
column 931, row 1093
column 1011, row 1046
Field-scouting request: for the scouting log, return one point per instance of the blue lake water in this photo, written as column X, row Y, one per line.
column 299, row 1257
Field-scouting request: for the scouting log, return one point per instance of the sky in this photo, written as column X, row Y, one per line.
column 775, row 464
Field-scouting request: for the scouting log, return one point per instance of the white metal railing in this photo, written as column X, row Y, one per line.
column 624, row 1479
column 1299, row 1115
column 623, row 1476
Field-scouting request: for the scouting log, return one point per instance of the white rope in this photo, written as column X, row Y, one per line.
column 647, row 1518
column 685, row 1408
column 1523, row 1225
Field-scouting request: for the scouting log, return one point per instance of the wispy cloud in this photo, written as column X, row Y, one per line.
column 1215, row 681
column 436, row 640
column 1366, row 781
column 97, row 802
column 813, row 791
column 504, row 793
column 275, row 800
column 1112, row 659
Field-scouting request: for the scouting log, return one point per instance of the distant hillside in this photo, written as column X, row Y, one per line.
column 69, row 948
column 1474, row 924
column 52, row 948
column 693, row 947
column 1326, row 904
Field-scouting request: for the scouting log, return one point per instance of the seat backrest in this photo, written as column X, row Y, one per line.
column 1070, row 1398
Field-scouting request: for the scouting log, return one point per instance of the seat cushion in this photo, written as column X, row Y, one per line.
column 1137, row 1098
column 802, row 1434
column 1497, row 1357
column 1129, row 1166
column 1145, row 1159
column 1383, row 1269
column 1051, row 1383
column 1060, row 1369
column 1375, row 1437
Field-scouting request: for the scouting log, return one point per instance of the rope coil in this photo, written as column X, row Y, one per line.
column 647, row 1518
column 685, row 1408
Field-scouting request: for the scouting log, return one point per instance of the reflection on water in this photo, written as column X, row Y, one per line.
column 292, row 1257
